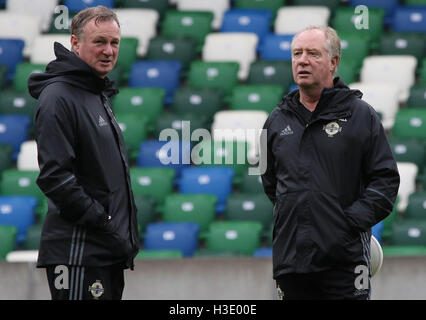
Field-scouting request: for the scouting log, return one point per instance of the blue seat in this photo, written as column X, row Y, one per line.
column 77, row 5
column 156, row 74
column 388, row 5
column 11, row 55
column 409, row 19
column 18, row 211
column 182, row 236
column 14, row 131
column 276, row 47
column 154, row 153
column 376, row 231
column 257, row 21
column 208, row 180
column 263, row 253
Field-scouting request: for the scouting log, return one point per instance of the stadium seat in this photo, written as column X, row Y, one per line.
column 409, row 19
column 154, row 182
column 383, row 97
column 217, row 8
column 134, row 131
column 409, row 233
column 77, row 5
column 238, row 237
column 181, row 124
column 27, row 157
column 271, row 72
column 216, row 75
column 142, row 103
column 194, row 24
column 12, row 102
column 263, row 253
column 42, row 52
column 159, row 254
column 388, row 5
column 276, row 47
column 208, row 180
column 256, row 97
column 416, row 208
column 7, row 240
column 181, row 236
column 175, row 154
column 291, row 19
column 182, row 49
column 408, row 173
column 354, row 47
column 23, row 71
column 402, row 43
column 127, row 55
column 18, row 211
column 196, row 208
column 197, row 101
column 20, row 26
column 42, row 8
column 3, row 76
column 11, row 53
column 330, row 4
column 415, row 2
column 417, row 98
column 32, row 238
column 250, row 207
column 14, row 131
column 161, row 6
column 231, row 46
column 132, row 21
column 410, row 123
column 251, row 184
column 60, row 23
column 5, row 157
column 271, row 5
column 255, row 21
column 156, row 74
column 147, row 211
column 409, row 150
column 347, row 70
column 376, row 231
column 398, row 70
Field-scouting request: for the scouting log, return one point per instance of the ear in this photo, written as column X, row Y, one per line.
column 334, row 63
column 75, row 44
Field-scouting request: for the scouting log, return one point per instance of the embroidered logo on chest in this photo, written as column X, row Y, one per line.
column 332, row 129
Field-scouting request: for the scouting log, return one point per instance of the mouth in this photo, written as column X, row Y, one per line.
column 303, row 73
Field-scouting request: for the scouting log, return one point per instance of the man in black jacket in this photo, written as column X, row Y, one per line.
column 330, row 174
column 90, row 231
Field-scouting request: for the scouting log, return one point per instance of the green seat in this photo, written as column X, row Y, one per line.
column 241, row 237
column 22, row 73
column 416, row 208
column 205, row 101
column 415, row 2
column 117, row 75
column 61, row 23
column 160, row 6
column 410, row 123
column 271, row 72
column 197, row 208
column 3, row 75
column 32, row 239
column 147, row 211
column 178, row 48
column 181, row 123
column 389, row 221
column 423, row 72
column 154, row 182
column 354, row 47
column 344, row 21
column 6, row 151
column 23, row 182
column 194, row 24
column 127, row 55
column 404, row 251
column 409, row 150
column 250, row 207
column 134, row 131
column 417, row 97
column 218, row 75
column 348, row 70
column 402, row 43
column 409, row 232
column 159, row 254
column 251, row 184
column 7, row 240
column 271, row 5
column 331, row 4
column 12, row 102
column 256, row 97
column 143, row 103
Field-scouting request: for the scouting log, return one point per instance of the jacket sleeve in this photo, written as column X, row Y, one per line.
column 56, row 143
column 269, row 179
column 381, row 172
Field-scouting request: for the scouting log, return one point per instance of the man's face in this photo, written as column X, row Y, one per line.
column 310, row 61
column 98, row 46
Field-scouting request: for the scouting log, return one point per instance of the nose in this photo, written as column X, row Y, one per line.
column 108, row 50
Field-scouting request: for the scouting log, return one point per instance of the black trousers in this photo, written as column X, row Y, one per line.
column 85, row 283
column 334, row 284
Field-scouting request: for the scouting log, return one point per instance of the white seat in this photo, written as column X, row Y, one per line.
column 292, row 19
column 408, row 173
column 399, row 70
column 383, row 97
column 138, row 23
column 240, row 125
column 217, row 7
column 43, row 51
column 20, row 25
column 231, row 46
column 42, row 8
column 27, row 157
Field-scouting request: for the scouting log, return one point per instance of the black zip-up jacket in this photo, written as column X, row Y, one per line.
column 83, row 168
column 330, row 178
